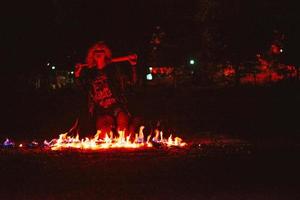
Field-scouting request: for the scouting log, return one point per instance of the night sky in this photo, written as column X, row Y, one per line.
column 35, row 32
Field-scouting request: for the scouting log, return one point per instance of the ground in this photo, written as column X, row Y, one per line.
column 213, row 172
column 243, row 144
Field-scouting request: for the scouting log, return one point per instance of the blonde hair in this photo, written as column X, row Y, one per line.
column 90, row 59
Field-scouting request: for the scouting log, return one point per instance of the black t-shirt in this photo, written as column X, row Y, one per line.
column 101, row 86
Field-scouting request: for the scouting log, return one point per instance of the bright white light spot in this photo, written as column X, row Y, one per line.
column 53, row 67
column 149, row 77
column 281, row 50
column 150, row 69
column 48, row 64
column 72, row 72
column 192, row 62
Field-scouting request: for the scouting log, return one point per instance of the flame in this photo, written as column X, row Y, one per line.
column 65, row 141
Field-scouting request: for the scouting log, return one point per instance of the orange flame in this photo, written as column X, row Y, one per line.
column 64, row 141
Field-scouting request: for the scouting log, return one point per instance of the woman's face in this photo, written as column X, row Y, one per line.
column 99, row 56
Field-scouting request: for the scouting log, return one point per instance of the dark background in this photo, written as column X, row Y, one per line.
column 35, row 32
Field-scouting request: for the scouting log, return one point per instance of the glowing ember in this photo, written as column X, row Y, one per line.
column 109, row 141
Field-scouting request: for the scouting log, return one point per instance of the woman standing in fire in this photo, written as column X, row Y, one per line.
column 104, row 88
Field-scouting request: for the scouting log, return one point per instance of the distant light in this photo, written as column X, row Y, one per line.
column 192, row 61
column 72, row 72
column 281, row 50
column 149, row 77
column 48, row 64
column 150, row 69
column 53, row 67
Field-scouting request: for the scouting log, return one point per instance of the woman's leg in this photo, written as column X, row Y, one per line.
column 105, row 123
column 122, row 121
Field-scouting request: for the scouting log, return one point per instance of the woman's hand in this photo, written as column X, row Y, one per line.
column 132, row 59
column 78, row 68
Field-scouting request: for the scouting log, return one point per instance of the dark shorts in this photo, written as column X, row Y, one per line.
column 113, row 110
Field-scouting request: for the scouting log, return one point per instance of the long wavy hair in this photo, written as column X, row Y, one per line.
column 90, row 58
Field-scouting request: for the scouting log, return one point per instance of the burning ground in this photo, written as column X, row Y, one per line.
column 211, row 167
column 242, row 144
column 109, row 173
